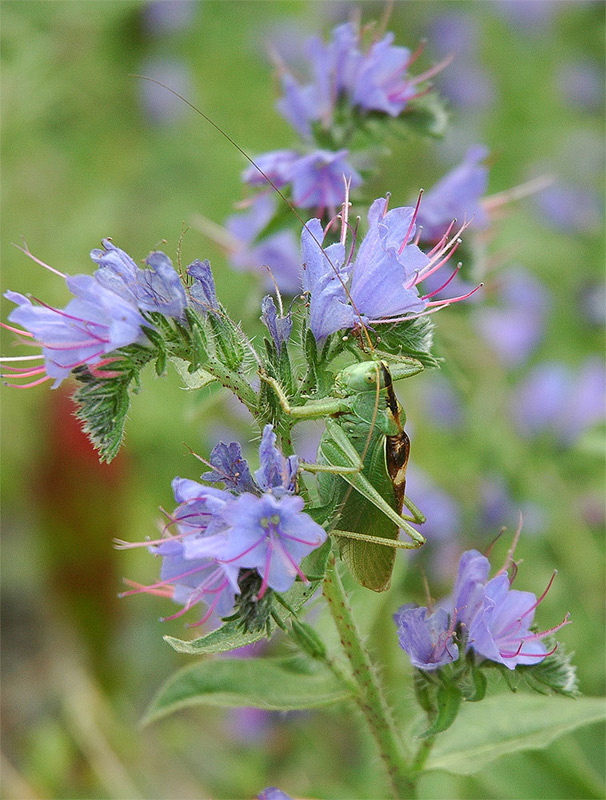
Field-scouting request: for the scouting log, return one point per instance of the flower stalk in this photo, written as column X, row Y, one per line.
column 370, row 698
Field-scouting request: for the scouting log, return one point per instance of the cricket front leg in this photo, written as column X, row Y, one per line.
column 314, row 409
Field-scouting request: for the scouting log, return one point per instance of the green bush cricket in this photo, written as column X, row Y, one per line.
column 362, row 456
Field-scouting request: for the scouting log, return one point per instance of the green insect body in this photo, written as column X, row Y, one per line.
column 362, row 458
column 374, row 426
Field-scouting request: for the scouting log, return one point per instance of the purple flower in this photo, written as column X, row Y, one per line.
column 202, row 291
column 158, row 288
column 277, row 253
column 276, row 474
column 252, row 524
column 485, row 616
column 384, row 274
column 279, row 327
column 162, row 107
column 271, row 793
column 374, row 79
column 190, row 581
column 455, row 196
column 571, row 208
column 276, row 165
column 427, row 638
column 96, row 322
column 272, row 535
column 317, row 178
column 556, row 399
column 516, row 327
column 230, row 468
column 500, row 629
column 582, row 84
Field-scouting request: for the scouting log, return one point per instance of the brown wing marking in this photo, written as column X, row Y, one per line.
column 397, row 450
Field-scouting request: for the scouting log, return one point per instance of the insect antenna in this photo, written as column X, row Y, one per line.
column 270, row 182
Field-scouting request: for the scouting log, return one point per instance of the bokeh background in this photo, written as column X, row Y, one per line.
column 514, row 422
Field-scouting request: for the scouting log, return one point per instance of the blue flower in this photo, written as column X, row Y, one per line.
column 230, row 468
column 158, row 288
column 456, row 196
column 375, row 79
column 516, row 326
column 271, row 793
column 276, row 254
column 277, row 474
column 251, row 524
column 384, row 275
column 202, row 291
column 279, row 327
column 96, row 322
column 485, row 617
column 427, row 638
column 317, row 178
column 272, row 535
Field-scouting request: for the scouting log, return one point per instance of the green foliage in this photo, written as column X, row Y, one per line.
column 102, row 403
column 506, row 724
column 278, row 684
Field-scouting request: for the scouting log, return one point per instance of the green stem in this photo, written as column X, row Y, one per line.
column 231, row 380
column 370, row 698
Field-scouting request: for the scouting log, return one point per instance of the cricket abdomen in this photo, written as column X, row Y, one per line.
column 370, row 564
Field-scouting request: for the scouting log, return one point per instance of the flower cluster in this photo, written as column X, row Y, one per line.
column 372, row 80
column 378, row 286
column 350, row 83
column 110, row 310
column 485, row 617
column 255, row 523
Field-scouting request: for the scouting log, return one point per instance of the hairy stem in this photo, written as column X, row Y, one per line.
column 370, row 698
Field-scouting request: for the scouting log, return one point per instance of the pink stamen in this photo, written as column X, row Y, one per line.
column 22, row 358
column 431, row 71
column 264, row 580
column 16, row 330
column 459, row 298
column 412, row 223
column 443, row 286
column 22, row 373
column 25, row 250
column 28, row 385
column 415, row 55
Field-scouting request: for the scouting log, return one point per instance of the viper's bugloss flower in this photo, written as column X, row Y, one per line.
column 515, row 327
column 271, row 534
column 158, row 288
column 317, row 179
column 279, row 327
column 380, row 284
column 254, row 523
column 557, row 399
column 96, row 322
column 456, row 196
column 486, row 617
column 426, row 637
column 202, row 291
column 374, row 79
column 276, row 254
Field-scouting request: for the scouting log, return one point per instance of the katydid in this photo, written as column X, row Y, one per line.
column 362, row 457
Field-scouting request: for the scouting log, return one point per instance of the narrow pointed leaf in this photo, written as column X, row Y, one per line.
column 277, row 684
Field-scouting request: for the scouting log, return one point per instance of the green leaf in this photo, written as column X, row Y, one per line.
column 102, row 403
column 192, row 380
column 277, row 684
column 448, row 700
column 227, row 637
column 508, row 724
column 427, row 116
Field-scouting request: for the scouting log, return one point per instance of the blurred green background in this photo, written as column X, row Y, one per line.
column 90, row 152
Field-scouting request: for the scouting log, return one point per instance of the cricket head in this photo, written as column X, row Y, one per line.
column 365, row 376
